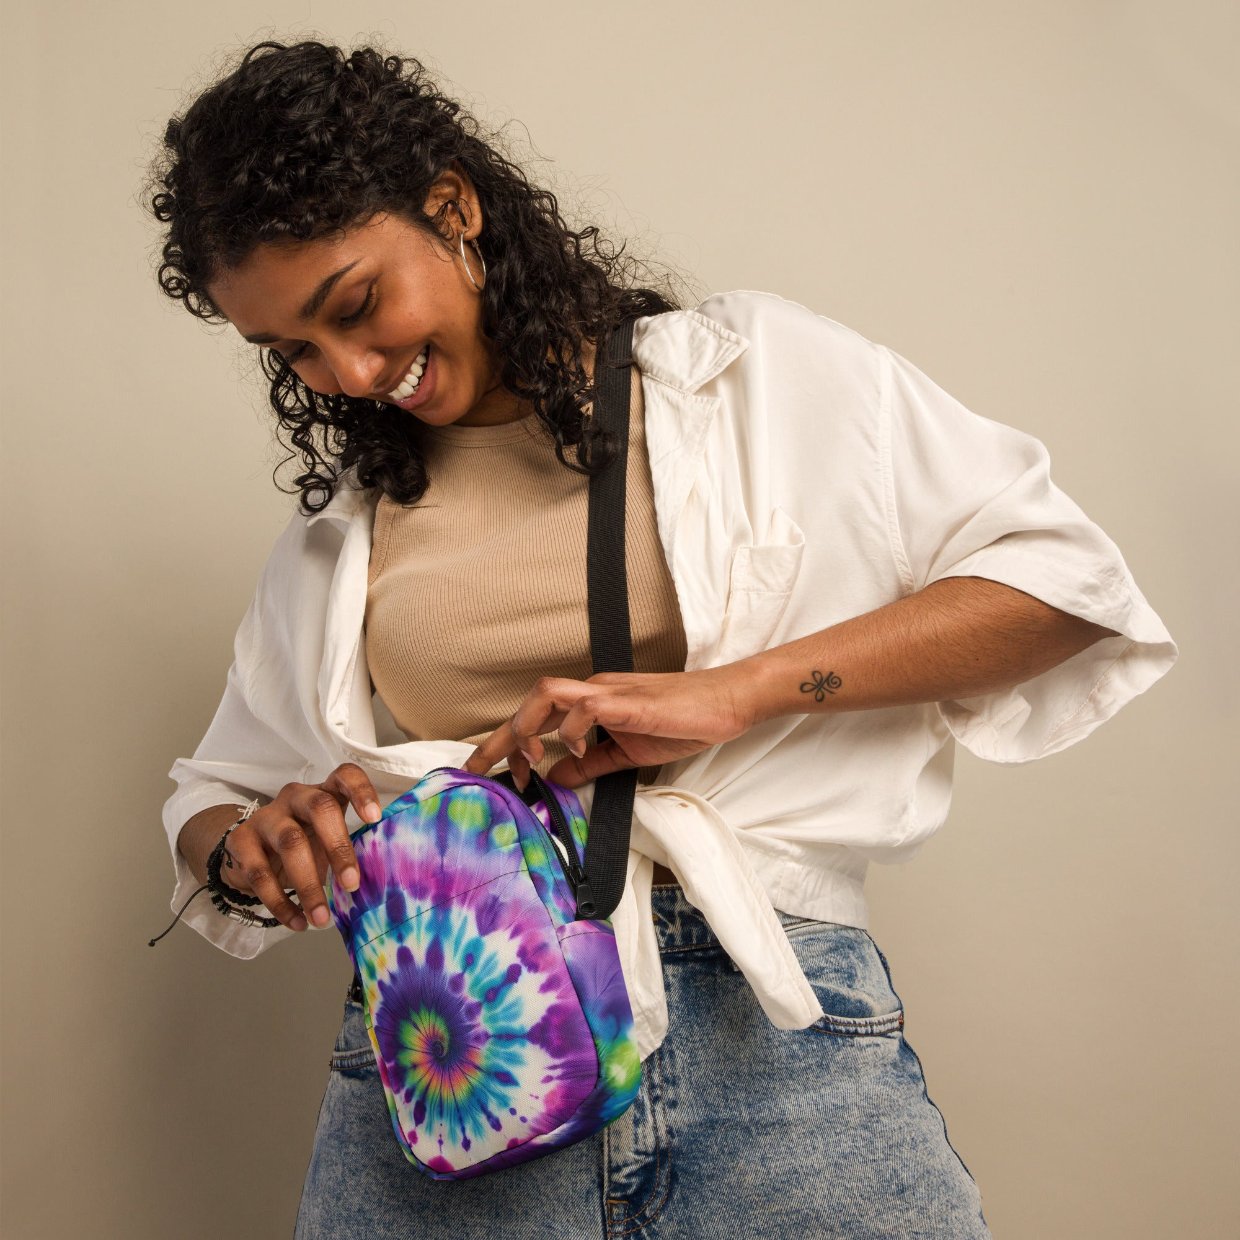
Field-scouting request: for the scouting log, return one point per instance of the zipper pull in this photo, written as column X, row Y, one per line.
column 585, row 897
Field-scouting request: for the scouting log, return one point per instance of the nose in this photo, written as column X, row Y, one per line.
column 357, row 369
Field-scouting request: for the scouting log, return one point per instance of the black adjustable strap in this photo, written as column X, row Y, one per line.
column 611, row 646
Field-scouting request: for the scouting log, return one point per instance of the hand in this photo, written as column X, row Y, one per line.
column 650, row 717
column 294, row 840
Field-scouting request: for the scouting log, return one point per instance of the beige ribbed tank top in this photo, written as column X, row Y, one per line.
column 479, row 588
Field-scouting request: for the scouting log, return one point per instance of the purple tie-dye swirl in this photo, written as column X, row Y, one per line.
column 501, row 1026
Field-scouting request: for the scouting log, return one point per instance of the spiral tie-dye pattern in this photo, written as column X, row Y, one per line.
column 501, row 1024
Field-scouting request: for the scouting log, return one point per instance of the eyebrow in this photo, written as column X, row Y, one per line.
column 314, row 304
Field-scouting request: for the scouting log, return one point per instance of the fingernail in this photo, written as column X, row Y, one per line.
column 298, row 922
column 373, row 812
column 529, row 757
column 320, row 916
column 350, row 880
column 578, row 747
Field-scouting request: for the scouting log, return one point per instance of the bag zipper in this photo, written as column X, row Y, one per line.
column 559, row 847
column 572, row 871
column 561, row 836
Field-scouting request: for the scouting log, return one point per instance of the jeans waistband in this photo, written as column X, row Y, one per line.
column 679, row 924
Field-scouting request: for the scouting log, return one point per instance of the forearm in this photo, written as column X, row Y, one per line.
column 957, row 638
column 201, row 833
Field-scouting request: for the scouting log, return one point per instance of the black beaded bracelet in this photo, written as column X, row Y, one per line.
column 226, row 898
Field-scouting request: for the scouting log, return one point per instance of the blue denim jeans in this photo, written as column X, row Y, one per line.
column 739, row 1129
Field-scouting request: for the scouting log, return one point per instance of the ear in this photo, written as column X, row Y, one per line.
column 451, row 190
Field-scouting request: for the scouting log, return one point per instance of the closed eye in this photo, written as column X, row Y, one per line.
column 360, row 313
column 347, row 320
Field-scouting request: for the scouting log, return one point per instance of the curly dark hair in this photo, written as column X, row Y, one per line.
column 300, row 141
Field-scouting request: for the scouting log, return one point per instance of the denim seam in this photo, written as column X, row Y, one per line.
column 801, row 929
column 858, row 1026
column 692, row 947
column 641, row 1216
column 362, row 1057
column 637, row 1220
column 305, row 1179
column 925, row 1088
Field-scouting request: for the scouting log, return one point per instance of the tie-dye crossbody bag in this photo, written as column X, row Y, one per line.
column 500, row 1020
column 494, row 997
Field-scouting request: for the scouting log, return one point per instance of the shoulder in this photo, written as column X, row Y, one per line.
column 749, row 337
column 792, row 346
column 768, row 318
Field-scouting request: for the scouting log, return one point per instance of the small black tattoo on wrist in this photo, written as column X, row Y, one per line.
column 821, row 684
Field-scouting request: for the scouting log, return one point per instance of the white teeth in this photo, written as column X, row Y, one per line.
column 409, row 384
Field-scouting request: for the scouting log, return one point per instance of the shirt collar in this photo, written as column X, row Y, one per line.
column 684, row 349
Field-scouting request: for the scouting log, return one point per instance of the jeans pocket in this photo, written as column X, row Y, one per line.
column 354, row 1051
column 849, row 976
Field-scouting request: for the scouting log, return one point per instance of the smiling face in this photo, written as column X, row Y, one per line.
column 356, row 313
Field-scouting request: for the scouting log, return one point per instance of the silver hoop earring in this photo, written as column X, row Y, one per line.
column 465, row 262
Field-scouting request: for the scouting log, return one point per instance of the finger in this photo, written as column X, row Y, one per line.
column 493, row 750
column 519, row 765
column 529, row 744
column 612, row 712
column 316, row 812
column 321, row 865
column 498, row 746
column 573, row 772
column 256, row 870
column 519, row 760
column 291, row 840
column 349, row 784
column 543, row 710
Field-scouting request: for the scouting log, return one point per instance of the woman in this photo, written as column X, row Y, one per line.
column 834, row 570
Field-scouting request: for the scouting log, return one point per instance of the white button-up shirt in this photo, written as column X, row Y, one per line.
column 802, row 475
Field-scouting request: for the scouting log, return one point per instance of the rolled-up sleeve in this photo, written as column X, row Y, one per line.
column 242, row 756
column 971, row 497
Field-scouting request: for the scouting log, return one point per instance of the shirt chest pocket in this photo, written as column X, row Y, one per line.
column 760, row 582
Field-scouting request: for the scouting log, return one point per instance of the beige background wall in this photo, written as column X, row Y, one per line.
column 1035, row 202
